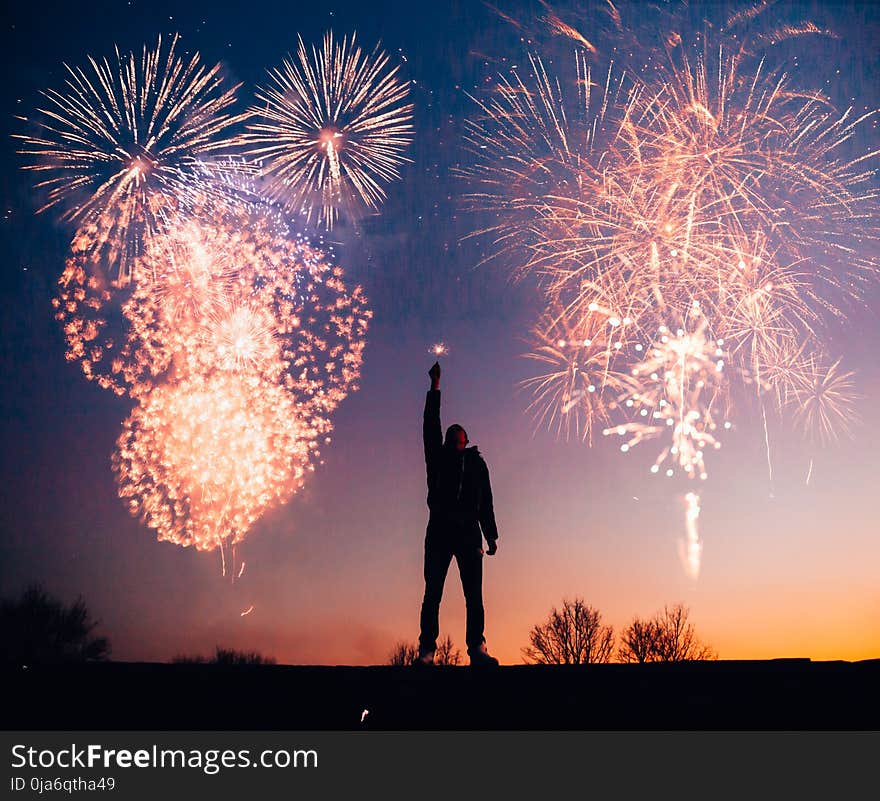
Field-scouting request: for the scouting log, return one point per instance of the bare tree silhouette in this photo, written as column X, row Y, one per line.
column 573, row 635
column 666, row 637
column 36, row 628
column 638, row 642
column 677, row 640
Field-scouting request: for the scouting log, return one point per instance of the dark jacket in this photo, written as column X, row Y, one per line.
column 459, row 492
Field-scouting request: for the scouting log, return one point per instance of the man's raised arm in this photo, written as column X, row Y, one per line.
column 431, row 431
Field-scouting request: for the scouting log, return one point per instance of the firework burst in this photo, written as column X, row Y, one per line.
column 229, row 285
column 824, row 400
column 581, row 358
column 331, row 128
column 535, row 147
column 243, row 344
column 117, row 146
column 722, row 210
column 199, row 461
column 744, row 153
column 664, row 182
column 680, row 385
column 671, row 181
column 186, row 288
column 245, row 336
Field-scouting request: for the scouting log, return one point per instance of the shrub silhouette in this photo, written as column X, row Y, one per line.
column 38, row 629
column 447, row 653
column 226, row 656
column 405, row 653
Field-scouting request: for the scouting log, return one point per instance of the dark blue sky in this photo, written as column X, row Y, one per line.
column 335, row 575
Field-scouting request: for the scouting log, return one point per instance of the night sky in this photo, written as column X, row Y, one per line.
column 335, row 576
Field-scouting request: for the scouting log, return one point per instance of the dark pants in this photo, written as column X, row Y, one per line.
column 442, row 542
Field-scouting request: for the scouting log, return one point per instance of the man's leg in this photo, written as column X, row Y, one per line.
column 470, row 568
column 438, row 555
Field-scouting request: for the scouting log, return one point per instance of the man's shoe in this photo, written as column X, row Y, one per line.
column 481, row 658
column 425, row 658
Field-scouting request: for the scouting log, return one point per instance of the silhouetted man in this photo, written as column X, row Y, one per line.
column 460, row 504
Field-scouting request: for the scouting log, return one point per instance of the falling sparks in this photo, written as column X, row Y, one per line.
column 247, row 611
column 560, row 28
column 331, row 129
column 439, row 349
column 679, row 382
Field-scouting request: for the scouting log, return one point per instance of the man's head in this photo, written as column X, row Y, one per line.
column 456, row 438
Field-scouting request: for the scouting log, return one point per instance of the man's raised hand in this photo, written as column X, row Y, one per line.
column 434, row 374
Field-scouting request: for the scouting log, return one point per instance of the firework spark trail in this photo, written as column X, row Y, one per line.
column 532, row 151
column 117, row 147
column 331, row 129
column 767, row 445
column 692, row 548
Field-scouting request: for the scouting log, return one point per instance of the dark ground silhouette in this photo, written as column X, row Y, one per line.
column 715, row 695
